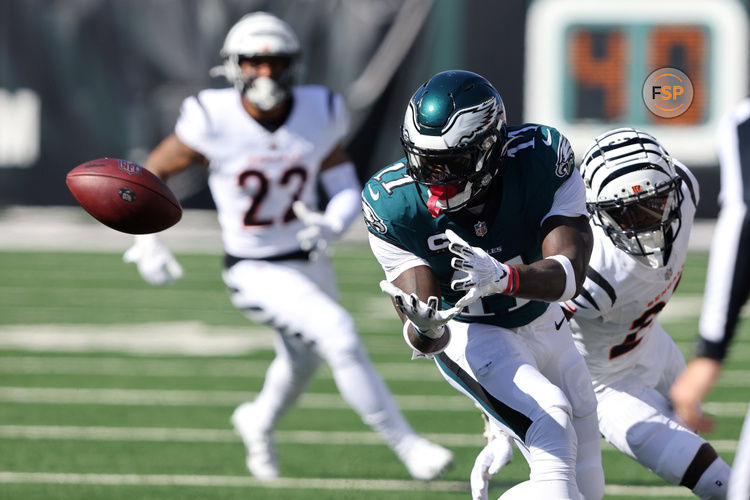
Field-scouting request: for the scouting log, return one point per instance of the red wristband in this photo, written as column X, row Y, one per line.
column 513, row 281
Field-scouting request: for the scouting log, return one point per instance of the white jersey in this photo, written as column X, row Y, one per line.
column 622, row 296
column 254, row 174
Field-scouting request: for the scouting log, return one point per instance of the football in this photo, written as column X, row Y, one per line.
column 124, row 196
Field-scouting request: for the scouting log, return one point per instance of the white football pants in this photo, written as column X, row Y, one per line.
column 635, row 415
column 532, row 382
column 297, row 298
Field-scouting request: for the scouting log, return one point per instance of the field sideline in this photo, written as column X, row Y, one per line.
column 110, row 388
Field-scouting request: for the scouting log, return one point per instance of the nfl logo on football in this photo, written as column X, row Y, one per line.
column 129, row 167
column 480, row 228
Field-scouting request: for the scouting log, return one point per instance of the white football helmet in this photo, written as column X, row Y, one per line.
column 260, row 34
column 633, row 192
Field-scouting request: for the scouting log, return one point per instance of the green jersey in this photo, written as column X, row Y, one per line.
column 537, row 161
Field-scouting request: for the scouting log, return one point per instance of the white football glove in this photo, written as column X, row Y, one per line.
column 318, row 231
column 426, row 319
column 485, row 274
column 156, row 264
column 494, row 456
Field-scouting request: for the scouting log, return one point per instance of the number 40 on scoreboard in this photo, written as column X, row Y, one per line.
column 587, row 62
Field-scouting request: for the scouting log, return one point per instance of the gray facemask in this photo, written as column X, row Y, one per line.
column 265, row 93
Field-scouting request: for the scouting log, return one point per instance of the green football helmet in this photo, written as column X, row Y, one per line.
column 453, row 124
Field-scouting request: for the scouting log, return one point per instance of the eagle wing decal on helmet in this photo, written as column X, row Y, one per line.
column 469, row 123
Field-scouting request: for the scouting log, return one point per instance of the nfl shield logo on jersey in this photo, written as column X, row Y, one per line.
column 480, row 228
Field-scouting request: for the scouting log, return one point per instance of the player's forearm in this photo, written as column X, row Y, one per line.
column 345, row 200
column 542, row 280
column 419, row 280
column 171, row 156
column 567, row 247
column 695, row 381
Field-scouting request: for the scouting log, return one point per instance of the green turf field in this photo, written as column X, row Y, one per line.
column 111, row 388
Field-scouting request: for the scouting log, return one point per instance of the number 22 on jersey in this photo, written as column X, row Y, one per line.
column 257, row 182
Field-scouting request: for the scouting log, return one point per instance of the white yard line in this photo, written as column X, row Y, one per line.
column 186, row 338
column 192, row 435
column 294, row 483
column 225, row 368
column 231, row 481
column 193, row 338
column 152, row 397
column 175, row 397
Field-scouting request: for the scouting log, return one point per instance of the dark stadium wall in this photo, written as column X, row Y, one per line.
column 109, row 76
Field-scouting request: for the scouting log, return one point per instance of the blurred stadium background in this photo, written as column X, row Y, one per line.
column 112, row 389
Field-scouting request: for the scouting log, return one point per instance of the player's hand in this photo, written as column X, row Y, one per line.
column 318, row 231
column 496, row 454
column 484, row 274
column 155, row 262
column 424, row 316
column 689, row 389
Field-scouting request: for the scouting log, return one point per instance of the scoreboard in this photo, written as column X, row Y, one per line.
column 588, row 61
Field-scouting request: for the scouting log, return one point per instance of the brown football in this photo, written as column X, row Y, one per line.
column 124, row 196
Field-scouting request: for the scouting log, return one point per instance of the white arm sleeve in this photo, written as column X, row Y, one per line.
column 342, row 187
column 192, row 127
column 570, row 198
column 393, row 260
